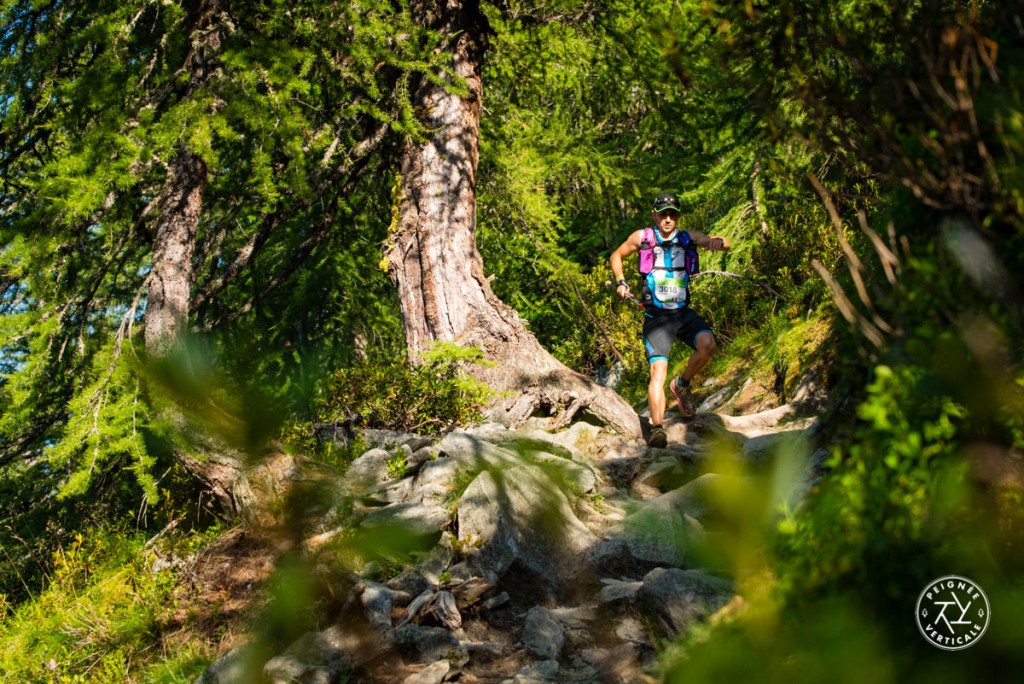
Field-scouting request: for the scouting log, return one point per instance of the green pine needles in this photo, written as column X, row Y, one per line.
column 108, row 416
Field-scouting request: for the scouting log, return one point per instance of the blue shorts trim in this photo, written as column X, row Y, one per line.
column 699, row 333
column 660, row 331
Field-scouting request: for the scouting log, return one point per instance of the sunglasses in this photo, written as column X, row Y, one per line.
column 671, row 213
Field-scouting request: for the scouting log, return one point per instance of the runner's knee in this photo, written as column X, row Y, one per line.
column 659, row 370
column 706, row 343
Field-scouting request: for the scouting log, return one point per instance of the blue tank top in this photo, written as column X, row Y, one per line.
column 667, row 286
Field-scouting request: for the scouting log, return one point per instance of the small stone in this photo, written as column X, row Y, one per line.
column 431, row 674
column 632, row 630
column 543, row 635
column 618, row 590
column 495, row 601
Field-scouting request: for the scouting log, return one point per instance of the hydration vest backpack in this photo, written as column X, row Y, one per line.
column 665, row 289
column 691, row 260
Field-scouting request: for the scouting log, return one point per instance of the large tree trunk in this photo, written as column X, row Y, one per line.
column 210, row 457
column 166, row 321
column 171, row 277
column 435, row 263
column 181, row 202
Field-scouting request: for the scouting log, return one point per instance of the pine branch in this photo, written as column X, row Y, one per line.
column 355, row 165
column 597, row 322
column 301, row 252
column 119, row 256
column 19, row 449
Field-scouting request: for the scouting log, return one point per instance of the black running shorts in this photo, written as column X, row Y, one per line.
column 660, row 329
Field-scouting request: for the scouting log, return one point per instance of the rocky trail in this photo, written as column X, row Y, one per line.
column 548, row 557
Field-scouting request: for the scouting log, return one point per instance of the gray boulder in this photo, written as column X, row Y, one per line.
column 615, row 591
column 659, row 535
column 318, row 657
column 518, row 515
column 367, row 471
column 430, row 644
column 696, row 498
column 426, row 573
column 576, row 475
column 678, row 598
column 541, row 672
column 239, row 665
column 390, row 439
column 418, row 519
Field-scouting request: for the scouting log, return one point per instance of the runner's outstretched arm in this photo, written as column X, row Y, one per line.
column 709, row 242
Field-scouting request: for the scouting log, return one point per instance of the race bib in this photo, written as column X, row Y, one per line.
column 668, row 289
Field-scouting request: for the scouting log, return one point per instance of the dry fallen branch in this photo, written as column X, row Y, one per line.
column 846, row 307
column 417, row 605
column 856, row 268
column 890, row 262
column 729, row 274
column 446, row 611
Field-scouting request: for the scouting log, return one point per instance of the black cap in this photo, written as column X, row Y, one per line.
column 666, row 201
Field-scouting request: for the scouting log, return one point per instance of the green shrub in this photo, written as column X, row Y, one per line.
column 829, row 594
column 428, row 398
column 884, row 490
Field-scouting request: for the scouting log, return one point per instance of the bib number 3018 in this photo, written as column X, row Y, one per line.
column 670, row 290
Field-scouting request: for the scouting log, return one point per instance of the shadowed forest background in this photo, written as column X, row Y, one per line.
column 208, row 212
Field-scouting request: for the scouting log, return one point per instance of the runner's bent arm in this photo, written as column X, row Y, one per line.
column 630, row 246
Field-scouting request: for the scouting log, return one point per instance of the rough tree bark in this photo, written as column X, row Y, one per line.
column 171, row 275
column 166, row 320
column 434, row 262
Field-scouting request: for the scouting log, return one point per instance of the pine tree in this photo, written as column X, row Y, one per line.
column 151, row 154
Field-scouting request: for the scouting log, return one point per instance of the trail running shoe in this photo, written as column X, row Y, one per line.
column 658, row 439
column 682, row 396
